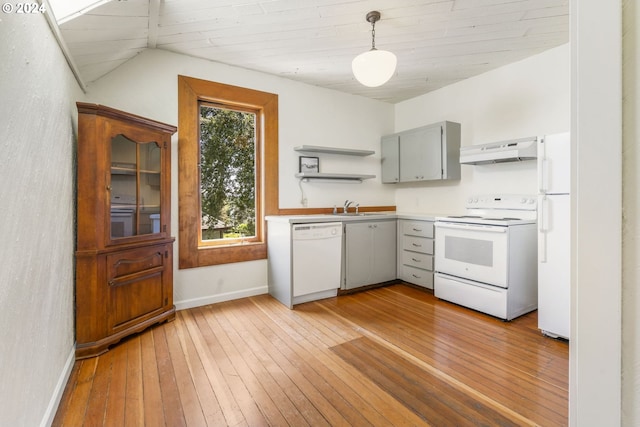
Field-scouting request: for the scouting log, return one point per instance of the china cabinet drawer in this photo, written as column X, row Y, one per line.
column 417, row 228
column 135, row 262
column 417, row 276
column 417, row 260
column 418, row 244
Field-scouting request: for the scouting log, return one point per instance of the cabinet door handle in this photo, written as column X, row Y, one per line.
column 417, row 229
column 415, row 260
column 416, row 245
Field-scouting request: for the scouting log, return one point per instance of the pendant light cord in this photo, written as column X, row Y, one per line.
column 373, row 35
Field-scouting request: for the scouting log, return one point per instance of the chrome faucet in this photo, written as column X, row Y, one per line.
column 347, row 203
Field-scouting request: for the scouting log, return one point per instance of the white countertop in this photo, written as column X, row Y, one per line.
column 366, row 216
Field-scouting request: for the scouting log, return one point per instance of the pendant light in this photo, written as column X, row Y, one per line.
column 374, row 67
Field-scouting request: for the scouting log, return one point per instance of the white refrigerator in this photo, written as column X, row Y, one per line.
column 554, row 246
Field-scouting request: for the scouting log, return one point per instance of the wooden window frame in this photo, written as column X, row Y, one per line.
column 191, row 91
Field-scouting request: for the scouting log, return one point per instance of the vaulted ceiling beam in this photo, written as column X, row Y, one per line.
column 81, row 8
column 154, row 19
column 53, row 25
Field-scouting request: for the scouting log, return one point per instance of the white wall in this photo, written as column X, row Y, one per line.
column 596, row 209
column 631, row 218
column 527, row 98
column 147, row 86
column 37, row 228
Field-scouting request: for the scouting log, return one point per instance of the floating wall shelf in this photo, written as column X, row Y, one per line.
column 334, row 150
column 334, row 176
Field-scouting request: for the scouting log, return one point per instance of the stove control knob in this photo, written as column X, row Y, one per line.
column 531, row 201
column 523, row 200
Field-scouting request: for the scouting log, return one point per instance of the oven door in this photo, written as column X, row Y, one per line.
column 472, row 251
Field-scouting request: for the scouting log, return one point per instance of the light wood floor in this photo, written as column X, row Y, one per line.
column 392, row 356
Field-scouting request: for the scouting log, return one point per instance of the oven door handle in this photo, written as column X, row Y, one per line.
column 472, row 227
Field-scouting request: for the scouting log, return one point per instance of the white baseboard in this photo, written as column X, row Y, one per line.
column 212, row 299
column 50, row 413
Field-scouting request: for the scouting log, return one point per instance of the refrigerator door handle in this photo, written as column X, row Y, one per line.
column 543, row 175
column 543, row 219
column 543, row 227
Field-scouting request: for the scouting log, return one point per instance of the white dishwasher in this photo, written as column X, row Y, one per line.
column 317, row 260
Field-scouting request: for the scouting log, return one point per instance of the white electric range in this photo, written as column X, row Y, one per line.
column 486, row 259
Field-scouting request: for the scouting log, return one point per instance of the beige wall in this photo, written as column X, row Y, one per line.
column 37, row 94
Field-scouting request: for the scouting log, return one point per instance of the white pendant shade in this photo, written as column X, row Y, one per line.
column 374, row 68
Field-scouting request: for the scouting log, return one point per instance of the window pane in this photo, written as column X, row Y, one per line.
column 227, row 173
column 124, row 188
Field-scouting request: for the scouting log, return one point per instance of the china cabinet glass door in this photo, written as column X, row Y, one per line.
column 135, row 187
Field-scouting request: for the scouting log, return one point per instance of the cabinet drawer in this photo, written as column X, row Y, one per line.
column 135, row 261
column 417, row 276
column 417, row 228
column 418, row 260
column 417, row 244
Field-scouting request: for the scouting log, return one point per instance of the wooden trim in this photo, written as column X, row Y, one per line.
column 187, row 181
column 190, row 91
column 134, row 120
column 271, row 158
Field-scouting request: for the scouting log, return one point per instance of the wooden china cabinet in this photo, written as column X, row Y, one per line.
column 124, row 256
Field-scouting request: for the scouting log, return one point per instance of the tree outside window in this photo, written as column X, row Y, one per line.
column 227, row 173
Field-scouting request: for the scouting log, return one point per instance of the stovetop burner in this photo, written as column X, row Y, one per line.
column 498, row 210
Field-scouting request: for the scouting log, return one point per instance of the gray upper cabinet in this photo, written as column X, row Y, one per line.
column 390, row 159
column 421, row 154
column 426, row 153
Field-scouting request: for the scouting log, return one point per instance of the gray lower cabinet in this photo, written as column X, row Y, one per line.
column 426, row 153
column 370, row 252
column 415, row 252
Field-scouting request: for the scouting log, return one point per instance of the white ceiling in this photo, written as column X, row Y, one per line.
column 437, row 42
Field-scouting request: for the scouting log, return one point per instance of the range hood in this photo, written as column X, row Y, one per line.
column 499, row 152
